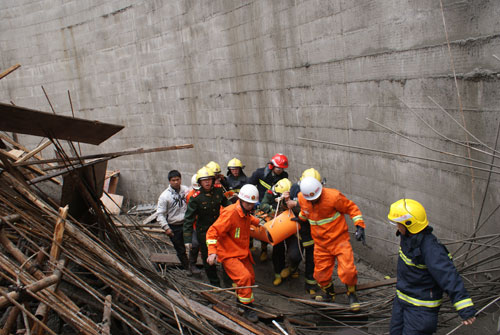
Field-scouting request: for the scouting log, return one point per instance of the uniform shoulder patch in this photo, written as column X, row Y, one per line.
column 195, row 194
column 218, row 185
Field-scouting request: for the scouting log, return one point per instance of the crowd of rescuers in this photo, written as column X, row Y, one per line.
column 214, row 218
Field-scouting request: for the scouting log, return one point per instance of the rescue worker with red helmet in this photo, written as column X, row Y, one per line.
column 204, row 208
column 264, row 178
column 228, row 242
column 325, row 209
column 424, row 271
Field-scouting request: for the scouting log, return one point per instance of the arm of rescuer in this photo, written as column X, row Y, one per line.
column 346, row 206
column 162, row 210
column 443, row 271
column 220, row 227
column 189, row 219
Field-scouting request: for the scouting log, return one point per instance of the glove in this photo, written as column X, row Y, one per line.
column 360, row 234
column 188, row 246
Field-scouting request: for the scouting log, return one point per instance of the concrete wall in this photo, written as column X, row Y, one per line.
column 248, row 78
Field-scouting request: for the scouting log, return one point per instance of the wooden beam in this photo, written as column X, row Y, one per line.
column 34, row 152
column 32, row 122
column 9, row 70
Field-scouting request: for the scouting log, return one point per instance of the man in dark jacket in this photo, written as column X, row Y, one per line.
column 425, row 270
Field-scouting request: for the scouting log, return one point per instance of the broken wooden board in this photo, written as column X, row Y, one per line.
column 32, row 122
column 170, row 259
column 112, row 202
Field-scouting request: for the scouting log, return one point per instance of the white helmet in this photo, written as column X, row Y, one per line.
column 249, row 193
column 194, row 182
column 311, row 188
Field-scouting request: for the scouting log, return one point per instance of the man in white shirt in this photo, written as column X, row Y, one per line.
column 171, row 208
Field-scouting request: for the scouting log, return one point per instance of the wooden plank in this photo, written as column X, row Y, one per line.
column 9, row 70
column 32, row 122
column 112, row 202
column 169, row 259
column 34, row 152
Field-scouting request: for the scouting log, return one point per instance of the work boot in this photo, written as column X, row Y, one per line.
column 295, row 274
column 263, row 256
column 249, row 313
column 277, row 279
column 194, row 269
column 285, row 273
column 353, row 299
column 185, row 265
column 311, row 289
column 326, row 294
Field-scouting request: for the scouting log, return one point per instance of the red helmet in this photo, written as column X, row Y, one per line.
column 280, row 160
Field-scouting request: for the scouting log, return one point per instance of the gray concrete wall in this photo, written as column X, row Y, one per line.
column 248, row 78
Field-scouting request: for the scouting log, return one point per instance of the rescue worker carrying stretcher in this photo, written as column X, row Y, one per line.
column 325, row 209
column 228, row 242
column 425, row 270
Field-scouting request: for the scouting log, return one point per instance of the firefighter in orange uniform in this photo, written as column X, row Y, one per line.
column 228, row 242
column 325, row 209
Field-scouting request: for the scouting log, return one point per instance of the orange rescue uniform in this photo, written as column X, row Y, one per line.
column 330, row 235
column 229, row 238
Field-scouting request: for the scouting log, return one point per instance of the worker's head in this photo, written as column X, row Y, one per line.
column 235, row 167
column 214, row 167
column 249, row 196
column 194, row 182
column 175, row 179
column 311, row 188
column 312, row 172
column 282, row 186
column 409, row 215
column 278, row 163
column 205, row 177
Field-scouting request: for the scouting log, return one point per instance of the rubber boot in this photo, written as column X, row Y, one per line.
column 249, row 313
column 277, row 279
column 311, row 288
column 326, row 294
column 193, row 258
column 263, row 252
column 353, row 299
column 185, row 265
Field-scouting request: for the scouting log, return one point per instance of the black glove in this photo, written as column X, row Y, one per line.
column 360, row 234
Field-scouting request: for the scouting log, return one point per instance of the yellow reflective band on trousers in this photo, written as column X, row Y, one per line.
column 463, row 304
column 409, row 261
column 418, row 302
column 308, row 243
column 211, row 242
column 263, row 183
column 357, row 218
column 311, row 281
column 324, row 221
column 246, row 300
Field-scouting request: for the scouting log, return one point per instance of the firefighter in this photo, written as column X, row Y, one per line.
column 195, row 246
column 228, row 239
column 204, row 208
column 264, row 178
column 425, row 270
column 236, row 178
column 219, row 177
column 272, row 203
column 325, row 209
column 171, row 209
column 306, row 241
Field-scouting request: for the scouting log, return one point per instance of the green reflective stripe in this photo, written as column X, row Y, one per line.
column 463, row 304
column 277, row 275
column 450, row 256
column 409, row 261
column 263, row 183
column 246, row 300
column 308, row 243
column 211, row 242
column 418, row 302
column 324, row 221
column 236, row 190
column 237, row 233
column 357, row 218
column 302, row 217
column 311, row 281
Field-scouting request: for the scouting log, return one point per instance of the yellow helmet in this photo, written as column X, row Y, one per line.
column 410, row 213
column 214, row 167
column 282, row 186
column 234, row 163
column 312, row 172
column 204, row 173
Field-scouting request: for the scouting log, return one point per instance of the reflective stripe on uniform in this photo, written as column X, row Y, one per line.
column 324, row 221
column 307, row 243
column 246, row 300
column 418, row 302
column 263, row 183
column 237, row 233
column 311, row 281
column 211, row 242
column 463, row 304
column 302, row 217
column 409, row 261
column 357, row 218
